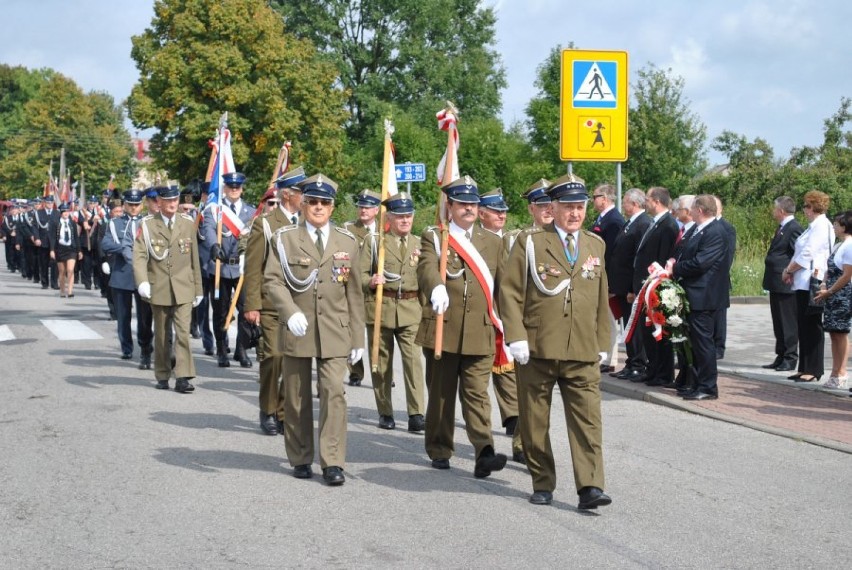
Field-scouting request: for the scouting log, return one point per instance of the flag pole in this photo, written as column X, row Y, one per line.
column 380, row 264
column 442, row 221
column 282, row 164
column 223, row 124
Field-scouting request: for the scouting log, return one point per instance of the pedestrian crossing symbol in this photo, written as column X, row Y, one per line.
column 595, row 84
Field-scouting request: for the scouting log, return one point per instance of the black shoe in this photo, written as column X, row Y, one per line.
column 269, row 424
column 605, row 368
column 786, row 366
column 127, row 356
column 44, row 286
column 162, row 385
column 183, row 386
column 87, row 287
column 145, row 362
column 541, row 498
column 592, row 498
column 441, row 463
column 416, row 423
column 684, row 390
column 807, row 378
column 386, row 422
column 656, row 382
column 775, row 363
column 333, row 476
column 55, row 287
column 795, row 376
column 519, row 457
column 223, row 360
column 245, row 361
column 486, row 464
column 195, row 333
column 209, row 352
column 302, row 472
column 354, row 380
column 637, row 377
column 621, row 373
column 511, row 425
column 696, row 395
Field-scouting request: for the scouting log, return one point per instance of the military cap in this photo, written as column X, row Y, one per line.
column 151, row 193
column 537, row 193
column 64, row 207
column 133, row 196
column 187, row 197
column 269, row 194
column 234, row 179
column 368, row 199
column 493, row 200
column 291, row 178
column 48, row 199
column 400, row 204
column 106, row 192
column 462, row 190
column 319, row 186
column 114, row 202
column 167, row 192
column 569, row 188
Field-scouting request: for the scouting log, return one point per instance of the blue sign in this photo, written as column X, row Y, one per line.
column 411, row 172
column 595, row 84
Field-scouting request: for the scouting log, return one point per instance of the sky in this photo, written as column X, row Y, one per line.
column 774, row 69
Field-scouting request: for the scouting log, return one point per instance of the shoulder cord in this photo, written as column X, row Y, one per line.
column 147, row 237
column 530, row 251
column 437, row 244
column 297, row 285
column 389, row 277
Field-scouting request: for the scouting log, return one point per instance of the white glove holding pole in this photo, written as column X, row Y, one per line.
column 355, row 355
column 520, row 351
column 440, row 300
column 602, row 356
column 242, row 264
column 105, row 268
column 145, row 290
column 298, row 324
column 198, row 300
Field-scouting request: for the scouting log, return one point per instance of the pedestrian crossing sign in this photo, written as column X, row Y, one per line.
column 593, row 106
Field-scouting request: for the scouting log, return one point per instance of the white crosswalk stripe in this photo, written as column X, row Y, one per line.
column 6, row 333
column 70, row 330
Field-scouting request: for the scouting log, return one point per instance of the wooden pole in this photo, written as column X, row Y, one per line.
column 223, row 124
column 380, row 264
column 444, row 224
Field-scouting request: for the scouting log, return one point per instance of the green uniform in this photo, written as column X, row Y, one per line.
column 356, row 371
column 567, row 326
column 401, row 314
column 168, row 260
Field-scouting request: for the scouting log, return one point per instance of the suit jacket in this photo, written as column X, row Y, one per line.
column 73, row 234
column 117, row 242
column 176, row 279
column 608, row 228
column 333, row 304
column 358, row 229
column 619, row 265
column 258, row 247
column 467, row 327
column 656, row 245
column 230, row 243
column 703, row 269
column 396, row 312
column 559, row 327
column 44, row 225
column 779, row 255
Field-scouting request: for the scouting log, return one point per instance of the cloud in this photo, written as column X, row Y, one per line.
column 762, row 24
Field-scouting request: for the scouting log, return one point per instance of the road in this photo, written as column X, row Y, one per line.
column 100, row 470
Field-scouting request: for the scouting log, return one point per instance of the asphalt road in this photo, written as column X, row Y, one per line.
column 100, row 470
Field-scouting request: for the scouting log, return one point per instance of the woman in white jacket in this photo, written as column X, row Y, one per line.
column 810, row 258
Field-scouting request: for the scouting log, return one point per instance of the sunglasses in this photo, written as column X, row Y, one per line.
column 318, row 202
column 272, row 202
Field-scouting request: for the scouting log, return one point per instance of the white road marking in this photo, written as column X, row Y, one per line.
column 6, row 333
column 70, row 330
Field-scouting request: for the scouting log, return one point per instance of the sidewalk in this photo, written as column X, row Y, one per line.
column 758, row 398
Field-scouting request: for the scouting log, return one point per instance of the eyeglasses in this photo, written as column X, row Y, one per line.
column 272, row 202
column 318, row 202
column 808, row 206
column 596, row 196
column 234, row 186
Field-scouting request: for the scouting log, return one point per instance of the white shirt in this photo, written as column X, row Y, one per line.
column 843, row 254
column 238, row 205
column 457, row 232
column 312, row 231
column 785, row 221
column 167, row 220
column 811, row 252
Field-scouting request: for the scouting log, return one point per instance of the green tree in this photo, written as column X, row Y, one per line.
column 201, row 58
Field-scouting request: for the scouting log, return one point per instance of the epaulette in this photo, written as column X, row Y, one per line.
column 513, row 232
column 283, row 229
column 346, row 232
column 148, row 217
column 594, row 235
column 187, row 217
column 530, row 231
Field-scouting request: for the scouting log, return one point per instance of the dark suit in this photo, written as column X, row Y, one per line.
column 722, row 315
column 703, row 272
column 619, row 271
column 656, row 245
column 782, row 300
column 607, row 227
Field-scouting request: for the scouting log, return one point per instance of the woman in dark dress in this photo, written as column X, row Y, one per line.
column 65, row 250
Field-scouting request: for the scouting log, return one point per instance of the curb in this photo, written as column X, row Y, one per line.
column 757, row 300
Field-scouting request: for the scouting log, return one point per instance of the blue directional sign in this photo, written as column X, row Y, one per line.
column 411, row 172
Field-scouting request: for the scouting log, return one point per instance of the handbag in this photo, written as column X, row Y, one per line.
column 814, row 307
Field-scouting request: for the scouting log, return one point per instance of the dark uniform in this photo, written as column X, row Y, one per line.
column 45, row 224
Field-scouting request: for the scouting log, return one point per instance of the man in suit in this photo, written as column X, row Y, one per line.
column 315, row 285
column 259, row 309
column 702, row 270
column 682, row 211
column 466, row 305
column 620, row 271
column 721, row 329
column 607, row 226
column 782, row 300
column 167, row 272
column 368, row 202
column 657, row 244
column 555, row 304
column 46, row 219
column 236, row 218
column 400, row 312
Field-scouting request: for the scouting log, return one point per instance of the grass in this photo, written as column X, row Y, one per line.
column 747, row 272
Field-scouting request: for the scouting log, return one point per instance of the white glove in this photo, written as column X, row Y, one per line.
column 440, row 300
column 242, row 263
column 105, row 268
column 602, row 356
column 298, row 324
column 145, row 290
column 520, row 351
column 355, row 355
column 198, row 300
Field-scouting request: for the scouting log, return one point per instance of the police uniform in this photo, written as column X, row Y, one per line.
column 469, row 337
column 319, row 296
column 555, row 313
column 364, row 199
column 167, row 272
column 202, row 311
column 258, row 252
column 45, row 224
column 118, row 242
column 400, row 317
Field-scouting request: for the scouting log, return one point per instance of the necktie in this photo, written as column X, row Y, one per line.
column 777, row 231
column 320, row 246
column 467, row 235
column 569, row 244
column 233, row 208
column 294, row 219
column 402, row 247
column 679, row 236
column 66, row 234
column 169, row 224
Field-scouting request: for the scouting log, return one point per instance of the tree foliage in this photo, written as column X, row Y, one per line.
column 201, row 58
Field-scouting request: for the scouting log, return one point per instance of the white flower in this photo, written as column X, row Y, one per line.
column 675, row 321
column 669, row 299
column 678, row 339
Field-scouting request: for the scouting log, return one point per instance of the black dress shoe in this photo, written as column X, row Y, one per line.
column 223, row 360
column 354, row 380
column 519, row 457
column 183, row 386
column 245, row 362
column 162, row 385
column 416, row 423
column 302, row 472
column 684, row 390
column 268, row 423
column 638, row 377
column 786, row 366
column 145, row 362
column 127, row 356
column 656, row 382
column 795, row 376
column 486, row 464
column 592, row 498
column 333, row 476
column 775, row 363
column 441, row 463
column 807, row 378
column 606, row 368
column 541, row 498
column 209, row 352
column 620, row 373
column 511, row 425
column 386, row 422
column 696, row 395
